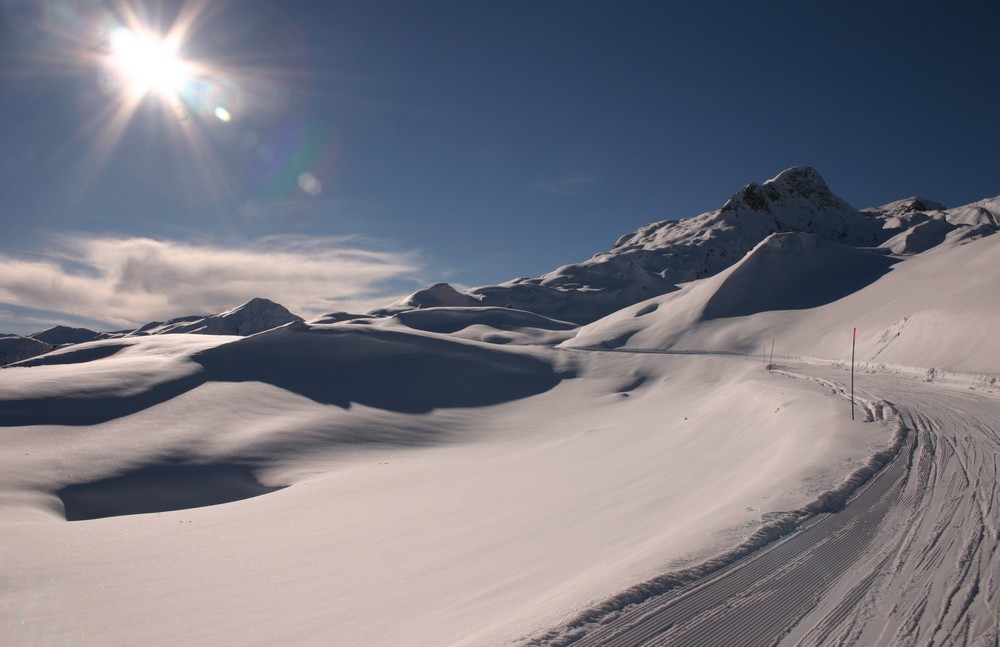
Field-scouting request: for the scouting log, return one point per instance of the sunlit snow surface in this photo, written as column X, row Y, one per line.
column 421, row 485
column 480, row 517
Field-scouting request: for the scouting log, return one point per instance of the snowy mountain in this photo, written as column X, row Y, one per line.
column 254, row 316
column 660, row 256
column 61, row 335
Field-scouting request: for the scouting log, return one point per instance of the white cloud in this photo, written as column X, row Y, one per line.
column 126, row 281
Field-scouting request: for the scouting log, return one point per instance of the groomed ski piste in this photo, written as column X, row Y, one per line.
column 463, row 476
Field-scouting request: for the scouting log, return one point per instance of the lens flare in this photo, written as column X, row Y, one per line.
column 142, row 67
column 310, row 184
column 204, row 112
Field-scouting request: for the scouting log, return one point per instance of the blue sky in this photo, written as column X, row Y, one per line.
column 376, row 146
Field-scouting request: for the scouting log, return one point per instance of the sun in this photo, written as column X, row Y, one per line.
column 147, row 64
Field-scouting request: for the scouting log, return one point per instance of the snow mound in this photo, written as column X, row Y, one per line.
column 384, row 369
column 920, row 237
column 449, row 320
column 438, row 295
column 338, row 317
column 123, row 376
column 487, row 324
column 793, row 272
column 984, row 212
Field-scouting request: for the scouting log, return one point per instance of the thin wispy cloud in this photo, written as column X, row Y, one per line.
column 127, row 281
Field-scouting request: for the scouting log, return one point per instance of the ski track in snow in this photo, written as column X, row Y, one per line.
column 913, row 559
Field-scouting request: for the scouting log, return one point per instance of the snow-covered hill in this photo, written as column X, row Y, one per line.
column 62, row 335
column 254, row 316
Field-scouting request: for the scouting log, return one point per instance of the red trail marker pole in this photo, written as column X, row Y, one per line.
column 854, row 339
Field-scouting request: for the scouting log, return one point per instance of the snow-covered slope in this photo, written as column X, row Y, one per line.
column 792, row 272
column 933, row 310
column 480, row 323
column 14, row 348
column 916, row 224
column 417, row 489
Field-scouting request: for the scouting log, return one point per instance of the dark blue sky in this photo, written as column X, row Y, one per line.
column 471, row 142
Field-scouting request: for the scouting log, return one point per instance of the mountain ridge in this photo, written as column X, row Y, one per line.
column 658, row 257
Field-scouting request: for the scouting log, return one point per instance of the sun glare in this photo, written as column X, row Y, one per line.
column 147, row 64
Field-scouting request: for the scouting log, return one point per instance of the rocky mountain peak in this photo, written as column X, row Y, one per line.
column 801, row 186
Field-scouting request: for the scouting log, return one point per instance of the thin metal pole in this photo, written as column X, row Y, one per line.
column 770, row 361
column 854, row 339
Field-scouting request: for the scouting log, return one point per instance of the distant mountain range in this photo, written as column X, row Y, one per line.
column 652, row 261
column 256, row 315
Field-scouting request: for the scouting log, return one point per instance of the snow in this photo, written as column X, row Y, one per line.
column 438, row 295
column 60, row 335
column 932, row 310
column 485, row 324
column 657, row 257
column 14, row 348
column 920, row 237
column 256, row 315
column 479, row 469
column 458, row 525
column 792, row 271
